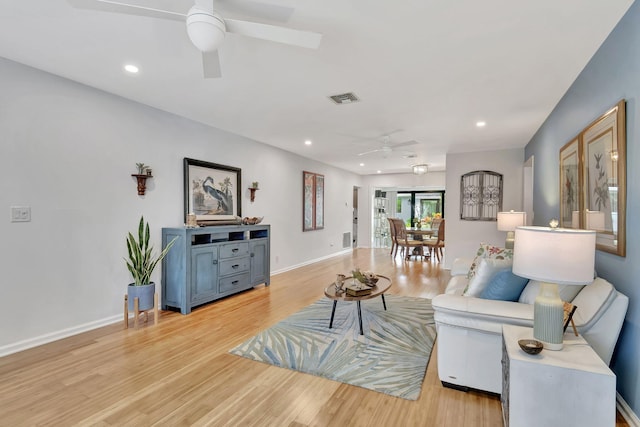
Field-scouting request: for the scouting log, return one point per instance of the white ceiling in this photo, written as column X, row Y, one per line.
column 424, row 70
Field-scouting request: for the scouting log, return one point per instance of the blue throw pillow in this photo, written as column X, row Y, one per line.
column 504, row 286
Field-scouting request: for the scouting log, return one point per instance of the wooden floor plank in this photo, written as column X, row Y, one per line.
column 180, row 372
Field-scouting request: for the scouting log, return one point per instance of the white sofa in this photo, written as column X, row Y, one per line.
column 470, row 329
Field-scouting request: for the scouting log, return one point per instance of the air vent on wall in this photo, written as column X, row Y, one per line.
column 344, row 98
column 346, row 240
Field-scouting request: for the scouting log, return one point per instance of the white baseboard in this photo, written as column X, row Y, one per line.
column 64, row 333
column 54, row 336
column 311, row 261
column 627, row 413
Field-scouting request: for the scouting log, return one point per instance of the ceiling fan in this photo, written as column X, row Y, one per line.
column 387, row 148
column 207, row 29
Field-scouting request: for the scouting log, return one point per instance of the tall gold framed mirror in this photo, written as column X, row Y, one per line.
column 601, row 150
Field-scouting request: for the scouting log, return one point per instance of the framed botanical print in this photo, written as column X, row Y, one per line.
column 570, row 188
column 604, row 170
column 312, row 201
column 211, row 191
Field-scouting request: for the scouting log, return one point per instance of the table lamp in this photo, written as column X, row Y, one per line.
column 595, row 220
column 553, row 256
column 508, row 221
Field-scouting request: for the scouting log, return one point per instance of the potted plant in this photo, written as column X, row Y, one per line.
column 141, row 263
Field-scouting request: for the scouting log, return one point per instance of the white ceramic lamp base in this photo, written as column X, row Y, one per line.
column 548, row 314
column 508, row 243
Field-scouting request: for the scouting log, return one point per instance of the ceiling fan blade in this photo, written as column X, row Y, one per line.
column 205, row 5
column 274, row 33
column 370, row 152
column 211, row 65
column 129, row 9
column 405, row 144
column 258, row 9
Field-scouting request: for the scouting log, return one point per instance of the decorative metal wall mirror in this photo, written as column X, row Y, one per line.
column 480, row 196
column 603, row 177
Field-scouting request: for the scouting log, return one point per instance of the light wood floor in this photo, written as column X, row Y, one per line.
column 179, row 372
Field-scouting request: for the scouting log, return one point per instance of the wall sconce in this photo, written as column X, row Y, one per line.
column 420, row 169
column 144, row 172
column 252, row 189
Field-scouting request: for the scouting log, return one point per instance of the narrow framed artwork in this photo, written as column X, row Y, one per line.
column 312, row 201
column 211, row 191
column 570, row 188
column 604, row 180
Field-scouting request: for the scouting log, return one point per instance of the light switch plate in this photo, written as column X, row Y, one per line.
column 20, row 213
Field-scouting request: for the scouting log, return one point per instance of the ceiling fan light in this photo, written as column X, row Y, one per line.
column 420, row 169
column 206, row 30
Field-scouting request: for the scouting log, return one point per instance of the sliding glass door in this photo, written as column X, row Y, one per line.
column 416, row 206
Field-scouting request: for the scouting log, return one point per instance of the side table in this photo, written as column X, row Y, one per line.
column 569, row 387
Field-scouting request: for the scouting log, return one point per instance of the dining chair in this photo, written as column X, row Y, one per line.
column 408, row 245
column 436, row 245
column 392, row 231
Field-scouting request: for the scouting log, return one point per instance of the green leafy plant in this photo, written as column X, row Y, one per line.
column 142, row 262
column 141, row 168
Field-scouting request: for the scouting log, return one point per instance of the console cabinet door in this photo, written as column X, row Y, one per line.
column 259, row 252
column 204, row 274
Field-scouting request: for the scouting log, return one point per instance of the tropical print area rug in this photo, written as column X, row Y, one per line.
column 391, row 357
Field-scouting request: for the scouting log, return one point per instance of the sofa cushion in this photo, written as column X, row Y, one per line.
column 456, row 285
column 488, row 251
column 504, row 286
column 531, row 291
column 487, row 268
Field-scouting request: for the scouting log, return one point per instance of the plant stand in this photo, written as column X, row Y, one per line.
column 137, row 311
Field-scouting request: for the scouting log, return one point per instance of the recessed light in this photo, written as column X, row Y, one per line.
column 481, row 124
column 361, row 164
column 131, row 68
column 378, row 171
column 308, row 142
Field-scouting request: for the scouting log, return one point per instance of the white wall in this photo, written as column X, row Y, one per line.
column 68, row 151
column 408, row 181
column 463, row 237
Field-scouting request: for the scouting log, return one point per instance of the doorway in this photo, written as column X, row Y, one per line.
column 419, row 206
column 354, row 231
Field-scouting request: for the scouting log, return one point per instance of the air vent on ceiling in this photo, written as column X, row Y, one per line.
column 344, row 98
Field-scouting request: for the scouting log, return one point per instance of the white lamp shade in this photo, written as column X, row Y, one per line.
column 595, row 220
column 508, row 221
column 562, row 255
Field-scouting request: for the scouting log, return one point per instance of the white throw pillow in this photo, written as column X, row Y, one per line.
column 487, row 268
column 531, row 291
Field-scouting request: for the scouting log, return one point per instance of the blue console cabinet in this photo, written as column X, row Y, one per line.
column 208, row 263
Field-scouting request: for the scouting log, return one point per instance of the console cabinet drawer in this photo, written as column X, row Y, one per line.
column 229, row 250
column 233, row 283
column 234, row 266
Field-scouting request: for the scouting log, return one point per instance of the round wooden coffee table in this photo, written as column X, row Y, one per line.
column 383, row 285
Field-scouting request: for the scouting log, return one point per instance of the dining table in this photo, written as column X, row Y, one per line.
column 419, row 233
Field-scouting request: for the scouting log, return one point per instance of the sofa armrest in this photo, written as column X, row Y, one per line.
column 480, row 314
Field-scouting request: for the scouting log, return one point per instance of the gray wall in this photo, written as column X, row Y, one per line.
column 611, row 75
column 68, row 151
column 464, row 237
